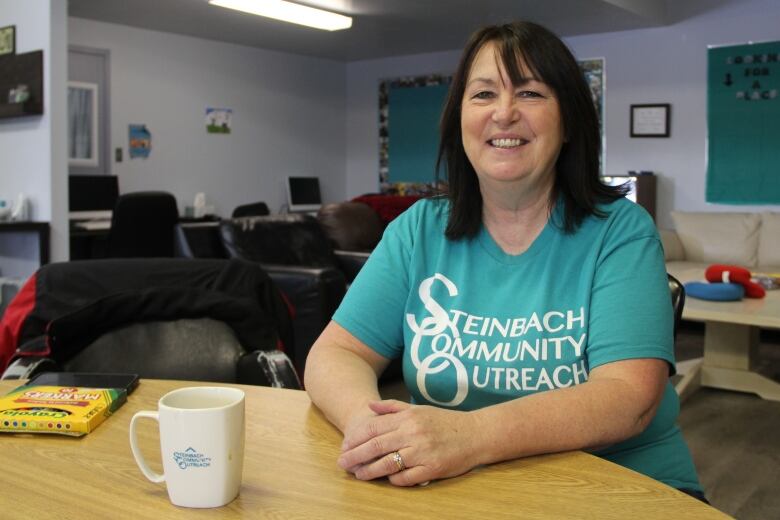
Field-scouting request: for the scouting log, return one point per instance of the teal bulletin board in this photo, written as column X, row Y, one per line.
column 417, row 103
column 415, row 130
column 743, row 124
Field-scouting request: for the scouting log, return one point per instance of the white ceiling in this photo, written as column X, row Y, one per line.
column 384, row 28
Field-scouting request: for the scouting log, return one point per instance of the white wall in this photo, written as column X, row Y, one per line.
column 33, row 149
column 288, row 116
column 669, row 65
column 664, row 65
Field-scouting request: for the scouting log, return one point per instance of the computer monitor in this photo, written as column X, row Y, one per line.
column 92, row 196
column 303, row 193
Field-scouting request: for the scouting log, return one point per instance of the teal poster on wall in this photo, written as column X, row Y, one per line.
column 415, row 131
column 743, row 124
column 417, row 103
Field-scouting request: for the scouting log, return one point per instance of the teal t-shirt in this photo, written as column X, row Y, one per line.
column 477, row 326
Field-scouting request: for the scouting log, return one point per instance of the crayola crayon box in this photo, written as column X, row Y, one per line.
column 74, row 411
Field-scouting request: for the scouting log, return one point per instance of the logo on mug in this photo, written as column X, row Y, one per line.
column 190, row 458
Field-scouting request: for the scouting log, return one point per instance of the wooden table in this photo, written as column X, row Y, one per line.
column 290, row 472
column 731, row 342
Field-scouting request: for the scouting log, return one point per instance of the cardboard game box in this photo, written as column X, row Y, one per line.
column 73, row 411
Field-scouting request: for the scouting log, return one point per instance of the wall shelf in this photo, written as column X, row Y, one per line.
column 21, row 69
column 41, row 229
column 28, row 108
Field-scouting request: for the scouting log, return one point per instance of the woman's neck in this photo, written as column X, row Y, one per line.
column 515, row 218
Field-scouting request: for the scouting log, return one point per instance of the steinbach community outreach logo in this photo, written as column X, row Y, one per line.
column 190, row 458
column 542, row 351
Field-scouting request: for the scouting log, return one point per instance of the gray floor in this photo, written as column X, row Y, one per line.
column 734, row 437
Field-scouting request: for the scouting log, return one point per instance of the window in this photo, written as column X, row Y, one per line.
column 83, row 106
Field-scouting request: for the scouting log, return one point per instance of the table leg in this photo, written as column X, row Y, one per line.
column 741, row 381
column 729, row 351
column 690, row 370
column 729, row 345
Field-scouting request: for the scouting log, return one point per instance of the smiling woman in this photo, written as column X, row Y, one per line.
column 523, row 57
column 526, row 229
column 512, row 132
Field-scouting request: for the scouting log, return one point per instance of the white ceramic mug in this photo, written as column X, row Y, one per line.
column 202, row 444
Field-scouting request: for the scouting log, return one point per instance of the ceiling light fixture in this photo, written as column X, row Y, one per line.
column 289, row 12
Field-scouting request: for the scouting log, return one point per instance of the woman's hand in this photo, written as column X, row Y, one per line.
column 433, row 443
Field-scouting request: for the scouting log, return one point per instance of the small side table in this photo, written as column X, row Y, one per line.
column 40, row 228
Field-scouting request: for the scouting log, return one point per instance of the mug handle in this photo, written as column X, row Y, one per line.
column 139, row 458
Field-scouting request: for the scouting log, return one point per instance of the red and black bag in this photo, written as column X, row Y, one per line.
column 65, row 306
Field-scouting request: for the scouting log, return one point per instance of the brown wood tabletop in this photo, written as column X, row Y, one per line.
column 290, row 472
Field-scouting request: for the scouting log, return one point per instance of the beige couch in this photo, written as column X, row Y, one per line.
column 751, row 240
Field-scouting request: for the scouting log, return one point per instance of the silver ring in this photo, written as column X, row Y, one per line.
column 398, row 461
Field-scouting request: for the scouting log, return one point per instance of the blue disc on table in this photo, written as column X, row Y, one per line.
column 719, row 292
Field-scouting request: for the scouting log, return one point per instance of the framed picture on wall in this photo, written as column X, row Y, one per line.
column 8, row 40
column 650, row 120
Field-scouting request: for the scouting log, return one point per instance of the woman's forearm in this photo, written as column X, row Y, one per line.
column 340, row 384
column 600, row 412
column 338, row 379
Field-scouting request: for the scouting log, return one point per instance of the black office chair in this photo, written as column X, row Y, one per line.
column 256, row 209
column 142, row 225
column 188, row 349
column 207, row 320
column 678, row 300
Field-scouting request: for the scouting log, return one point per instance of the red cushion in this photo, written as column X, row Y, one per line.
column 388, row 206
column 718, row 273
column 12, row 321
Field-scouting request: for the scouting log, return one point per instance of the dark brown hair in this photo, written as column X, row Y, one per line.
column 577, row 168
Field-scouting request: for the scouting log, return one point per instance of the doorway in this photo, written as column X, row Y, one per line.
column 89, row 143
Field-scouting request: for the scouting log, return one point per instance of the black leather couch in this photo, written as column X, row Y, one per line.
column 312, row 260
column 297, row 255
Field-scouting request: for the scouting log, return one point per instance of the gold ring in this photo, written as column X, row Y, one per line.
column 398, row 461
